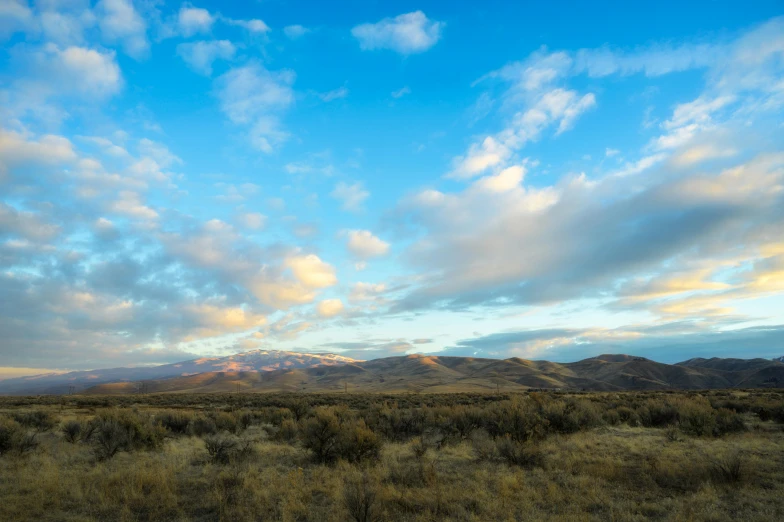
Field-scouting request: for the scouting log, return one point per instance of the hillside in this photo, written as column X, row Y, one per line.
column 266, row 371
column 252, row 361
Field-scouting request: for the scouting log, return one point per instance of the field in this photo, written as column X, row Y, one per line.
column 715, row 455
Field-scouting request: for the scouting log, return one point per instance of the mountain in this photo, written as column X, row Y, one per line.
column 288, row 371
column 130, row 378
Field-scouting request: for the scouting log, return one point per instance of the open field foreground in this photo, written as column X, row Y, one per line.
column 601, row 456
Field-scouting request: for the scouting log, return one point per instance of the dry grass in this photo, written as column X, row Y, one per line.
column 592, row 470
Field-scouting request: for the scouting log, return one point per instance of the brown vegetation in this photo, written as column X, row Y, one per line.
column 417, row 457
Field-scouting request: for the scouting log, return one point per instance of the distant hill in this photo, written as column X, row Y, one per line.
column 129, row 379
column 289, row 371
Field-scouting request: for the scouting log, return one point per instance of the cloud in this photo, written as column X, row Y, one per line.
column 253, row 97
column 194, row 20
column 311, row 271
column 351, row 196
column 480, row 247
column 15, row 15
column 294, row 32
column 335, row 94
column 254, row 26
column 329, row 308
column 363, row 244
column 668, row 343
column 120, row 22
column 362, row 292
column 409, row 33
column 401, row 92
column 201, row 55
column 252, row 220
column 653, row 60
column 78, row 71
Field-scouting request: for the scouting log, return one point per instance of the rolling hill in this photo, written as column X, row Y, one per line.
column 294, row 372
column 130, row 379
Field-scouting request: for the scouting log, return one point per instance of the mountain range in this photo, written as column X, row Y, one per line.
column 271, row 370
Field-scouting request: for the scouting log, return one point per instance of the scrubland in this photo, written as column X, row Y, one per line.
column 535, row 456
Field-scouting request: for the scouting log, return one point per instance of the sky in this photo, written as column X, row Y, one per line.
column 489, row 179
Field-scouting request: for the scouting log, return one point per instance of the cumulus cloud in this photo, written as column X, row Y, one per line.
column 194, row 20
column 120, row 22
column 311, row 271
column 363, row 244
column 293, row 32
column 253, row 97
column 497, row 247
column 252, row 220
column 408, row 33
column 201, row 55
column 330, row 308
column 352, row 196
column 254, row 26
column 78, row 71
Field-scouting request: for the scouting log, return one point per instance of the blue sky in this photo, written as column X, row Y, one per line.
column 372, row 179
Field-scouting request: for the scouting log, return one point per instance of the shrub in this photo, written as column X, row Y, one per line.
column 9, row 430
column 110, row 437
column 329, row 440
column 516, row 453
column 484, row 446
column 38, row 420
column 71, row 430
column 359, row 498
column 728, row 469
column 220, row 447
column 174, row 422
column 320, row 435
column 727, row 421
column 201, row 426
column 288, row 431
column 26, row 442
column 123, row 430
column 226, row 422
column 358, row 443
column 697, row 418
column 14, row 438
column 225, row 448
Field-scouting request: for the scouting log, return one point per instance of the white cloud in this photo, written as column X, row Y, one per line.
column 351, row 196
column 77, row 70
column 480, row 157
column 406, row 34
column 255, row 25
column 401, row 92
column 311, row 271
column 335, row 94
column 15, row 15
column 130, row 204
column 330, row 308
column 293, row 32
column 120, row 22
column 698, row 111
column 253, row 97
column 609, row 153
column 361, row 292
column 201, row 55
column 363, row 244
column 17, row 148
column 252, row 220
column 194, row 20
column 507, row 179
